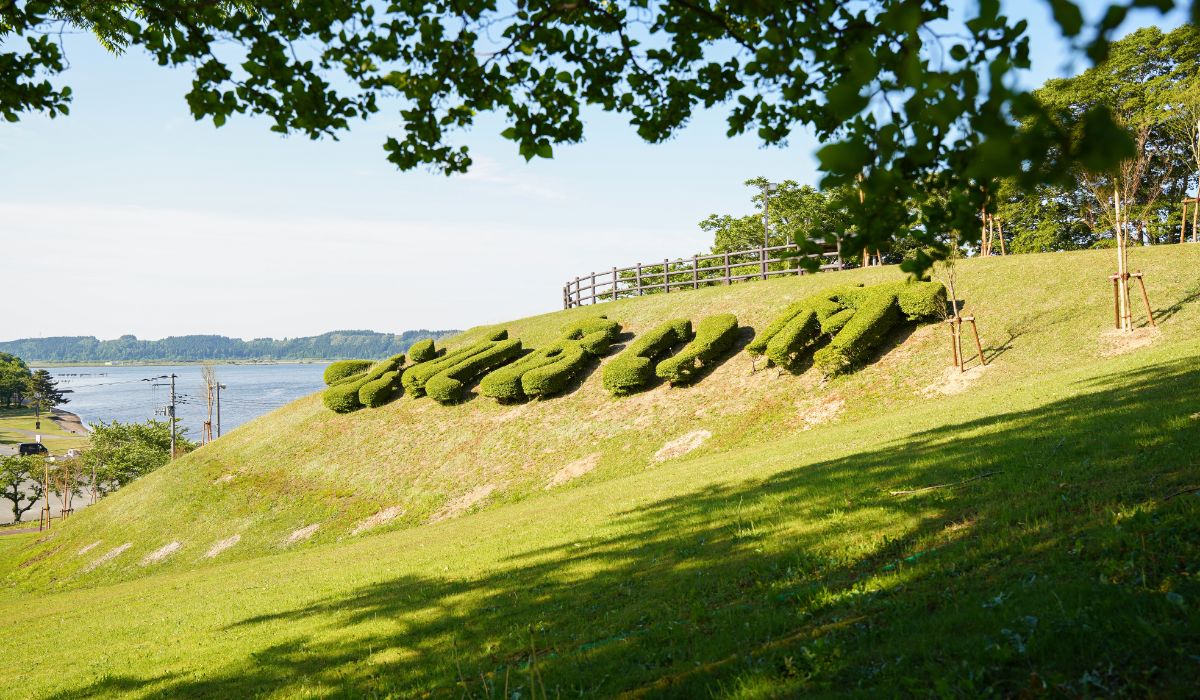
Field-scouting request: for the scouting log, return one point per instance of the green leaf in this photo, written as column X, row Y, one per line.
column 844, row 156
column 544, row 150
column 1068, row 16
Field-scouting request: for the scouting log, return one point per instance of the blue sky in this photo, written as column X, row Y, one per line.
column 134, row 218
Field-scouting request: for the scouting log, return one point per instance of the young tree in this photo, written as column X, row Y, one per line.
column 21, row 483
column 119, row 452
column 902, row 105
column 44, row 394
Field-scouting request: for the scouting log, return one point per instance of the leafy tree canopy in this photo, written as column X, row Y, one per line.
column 903, row 108
column 119, row 452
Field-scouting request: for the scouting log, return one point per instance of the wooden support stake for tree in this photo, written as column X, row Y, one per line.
column 953, row 342
column 1116, row 302
column 1195, row 210
column 1183, row 222
column 1145, row 297
column 978, row 345
column 1000, row 233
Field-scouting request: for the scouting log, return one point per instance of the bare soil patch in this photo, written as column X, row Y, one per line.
column 222, row 545
column 1115, row 341
column 223, row 479
column 681, row 446
column 955, row 381
column 574, row 470
column 384, row 516
column 301, row 534
column 108, row 556
column 823, row 412
column 87, row 548
column 458, row 506
column 161, row 553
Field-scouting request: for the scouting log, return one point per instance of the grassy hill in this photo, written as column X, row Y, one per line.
column 742, row 537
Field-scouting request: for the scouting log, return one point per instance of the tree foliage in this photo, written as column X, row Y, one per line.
column 903, row 108
column 14, row 379
column 119, row 452
column 21, row 483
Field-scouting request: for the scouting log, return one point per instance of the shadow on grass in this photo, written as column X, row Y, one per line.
column 1060, row 574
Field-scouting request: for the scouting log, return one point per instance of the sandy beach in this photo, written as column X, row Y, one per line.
column 68, row 421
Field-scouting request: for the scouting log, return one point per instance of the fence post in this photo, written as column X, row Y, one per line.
column 593, row 288
column 695, row 272
column 614, row 284
column 728, row 270
column 666, row 275
column 638, row 279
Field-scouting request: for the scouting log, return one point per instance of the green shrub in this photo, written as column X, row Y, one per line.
column 923, row 301
column 595, row 334
column 714, row 336
column 759, row 345
column 504, row 384
column 415, row 377
column 794, row 338
column 378, row 392
column 552, row 378
column 501, row 334
column 422, row 351
column 341, row 369
column 830, row 325
column 447, row 386
column 634, row 368
column 876, row 314
column 343, row 396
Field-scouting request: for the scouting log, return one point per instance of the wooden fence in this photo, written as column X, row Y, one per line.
column 688, row 273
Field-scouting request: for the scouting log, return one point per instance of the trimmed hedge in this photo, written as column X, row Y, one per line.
column 801, row 332
column 832, row 324
column 634, row 368
column 922, row 301
column 422, row 351
column 447, row 386
column 876, row 314
column 501, row 334
column 415, row 377
column 342, row 369
column 342, row 397
column 595, row 334
column 380, row 391
column 550, row 379
column 504, row 384
column 825, row 303
column 714, row 336
column 759, row 345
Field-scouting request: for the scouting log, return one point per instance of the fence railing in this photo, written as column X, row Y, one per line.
column 688, row 273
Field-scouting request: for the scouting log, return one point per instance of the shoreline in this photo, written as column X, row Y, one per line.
column 70, row 422
column 169, row 363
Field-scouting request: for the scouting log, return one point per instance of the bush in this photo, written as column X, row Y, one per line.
column 504, row 384
column 415, row 377
column 422, row 351
column 759, row 345
column 447, row 386
column 830, row 325
column 595, row 334
column 501, row 334
column 634, row 368
column 876, row 314
column 714, row 336
column 378, row 392
column 342, row 369
column 825, row 303
column 342, row 397
column 786, row 346
column 923, row 301
column 552, row 378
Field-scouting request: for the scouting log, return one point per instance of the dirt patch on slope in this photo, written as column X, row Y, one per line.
column 460, row 505
column 1115, row 341
column 301, row 534
column 161, row 553
column 87, row 548
column 383, row 517
column 574, row 470
column 955, row 381
column 221, row 546
column 822, row 412
column 681, row 446
column 108, row 556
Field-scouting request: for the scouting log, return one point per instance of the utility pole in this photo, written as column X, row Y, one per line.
column 219, row 388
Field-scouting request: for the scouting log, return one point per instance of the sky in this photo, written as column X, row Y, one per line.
column 128, row 216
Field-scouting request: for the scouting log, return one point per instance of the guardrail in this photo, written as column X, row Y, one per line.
column 687, row 273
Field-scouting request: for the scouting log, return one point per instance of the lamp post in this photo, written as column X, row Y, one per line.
column 220, row 386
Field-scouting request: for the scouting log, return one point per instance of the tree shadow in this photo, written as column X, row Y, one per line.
column 1166, row 313
column 753, row 583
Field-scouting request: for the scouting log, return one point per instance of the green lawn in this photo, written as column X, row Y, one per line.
column 18, row 425
column 776, row 560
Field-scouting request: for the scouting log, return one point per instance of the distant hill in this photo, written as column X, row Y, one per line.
column 335, row 345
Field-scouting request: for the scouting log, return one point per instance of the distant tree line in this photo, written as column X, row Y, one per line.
column 335, row 345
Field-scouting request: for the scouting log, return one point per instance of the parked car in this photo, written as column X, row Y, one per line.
column 32, row 448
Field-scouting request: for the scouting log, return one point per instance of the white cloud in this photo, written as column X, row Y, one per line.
column 488, row 171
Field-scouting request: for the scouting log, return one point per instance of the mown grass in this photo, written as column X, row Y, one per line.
column 304, row 465
column 786, row 567
column 17, row 424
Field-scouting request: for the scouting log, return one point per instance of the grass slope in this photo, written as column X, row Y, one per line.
column 772, row 560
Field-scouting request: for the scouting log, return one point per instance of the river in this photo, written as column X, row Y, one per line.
column 133, row 394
